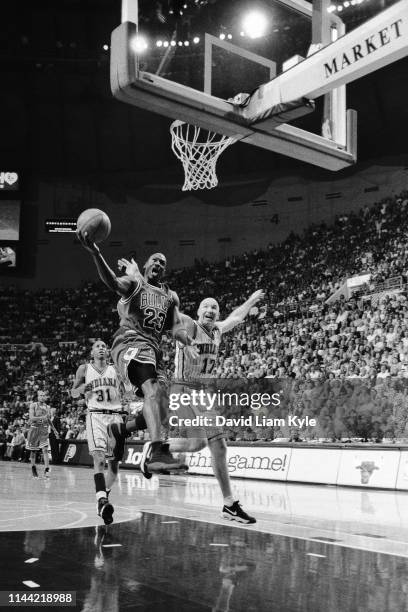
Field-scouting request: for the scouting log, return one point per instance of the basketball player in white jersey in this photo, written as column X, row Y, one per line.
column 99, row 383
column 37, row 436
column 206, row 333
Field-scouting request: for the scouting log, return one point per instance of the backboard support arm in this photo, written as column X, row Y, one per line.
column 130, row 11
column 326, row 28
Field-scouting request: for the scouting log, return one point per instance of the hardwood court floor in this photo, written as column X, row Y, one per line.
column 313, row 548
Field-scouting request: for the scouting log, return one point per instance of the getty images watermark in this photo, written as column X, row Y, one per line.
column 207, row 409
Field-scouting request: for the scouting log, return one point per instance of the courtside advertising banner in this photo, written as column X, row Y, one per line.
column 369, row 468
column 314, row 465
column 75, row 452
column 263, row 462
column 132, row 455
column 402, row 479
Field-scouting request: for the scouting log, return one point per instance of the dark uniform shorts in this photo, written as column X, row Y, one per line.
column 37, row 437
column 129, row 346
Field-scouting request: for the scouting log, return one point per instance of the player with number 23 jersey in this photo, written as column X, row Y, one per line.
column 143, row 317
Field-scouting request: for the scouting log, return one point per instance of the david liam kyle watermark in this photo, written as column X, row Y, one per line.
column 216, row 409
column 253, row 420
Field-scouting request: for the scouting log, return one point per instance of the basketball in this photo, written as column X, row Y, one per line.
column 95, row 223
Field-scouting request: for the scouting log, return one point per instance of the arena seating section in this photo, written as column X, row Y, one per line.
column 339, row 357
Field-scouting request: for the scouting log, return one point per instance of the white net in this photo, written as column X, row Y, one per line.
column 198, row 150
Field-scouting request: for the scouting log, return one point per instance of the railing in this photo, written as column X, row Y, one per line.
column 392, row 283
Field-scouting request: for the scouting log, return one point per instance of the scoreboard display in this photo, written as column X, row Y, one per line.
column 60, row 226
column 10, row 211
column 9, row 181
column 9, row 220
column 8, row 257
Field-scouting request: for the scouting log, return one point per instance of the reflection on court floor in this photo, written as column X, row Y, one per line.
column 313, row 548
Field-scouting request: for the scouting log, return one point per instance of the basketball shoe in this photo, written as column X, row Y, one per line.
column 161, row 460
column 146, row 454
column 117, row 434
column 105, row 510
column 236, row 513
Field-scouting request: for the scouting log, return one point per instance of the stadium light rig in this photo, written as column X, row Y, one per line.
column 254, row 24
column 343, row 5
column 160, row 43
column 139, row 44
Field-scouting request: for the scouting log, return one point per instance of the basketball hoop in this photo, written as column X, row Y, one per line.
column 198, row 154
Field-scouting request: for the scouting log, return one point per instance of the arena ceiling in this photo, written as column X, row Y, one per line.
column 59, row 118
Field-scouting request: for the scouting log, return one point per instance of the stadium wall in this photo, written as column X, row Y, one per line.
column 190, row 228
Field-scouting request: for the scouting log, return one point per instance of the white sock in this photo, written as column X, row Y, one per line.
column 228, row 501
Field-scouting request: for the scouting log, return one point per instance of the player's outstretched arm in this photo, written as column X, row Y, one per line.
column 123, row 285
column 182, row 329
column 238, row 315
column 79, row 387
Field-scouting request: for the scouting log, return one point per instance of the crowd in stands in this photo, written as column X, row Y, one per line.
column 348, row 353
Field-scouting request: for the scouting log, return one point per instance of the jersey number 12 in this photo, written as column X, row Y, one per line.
column 208, row 366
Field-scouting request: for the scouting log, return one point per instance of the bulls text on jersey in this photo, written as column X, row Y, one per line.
column 145, row 310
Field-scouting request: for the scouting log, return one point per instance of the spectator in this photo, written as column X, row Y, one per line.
column 3, row 443
column 18, row 443
column 295, row 334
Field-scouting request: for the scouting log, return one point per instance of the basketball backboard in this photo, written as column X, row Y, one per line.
column 194, row 79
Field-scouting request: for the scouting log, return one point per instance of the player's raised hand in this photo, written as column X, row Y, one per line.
column 257, row 296
column 131, row 267
column 191, row 351
column 87, row 243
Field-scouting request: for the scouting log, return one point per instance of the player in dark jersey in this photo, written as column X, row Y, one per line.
column 191, row 371
column 37, row 437
column 146, row 309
